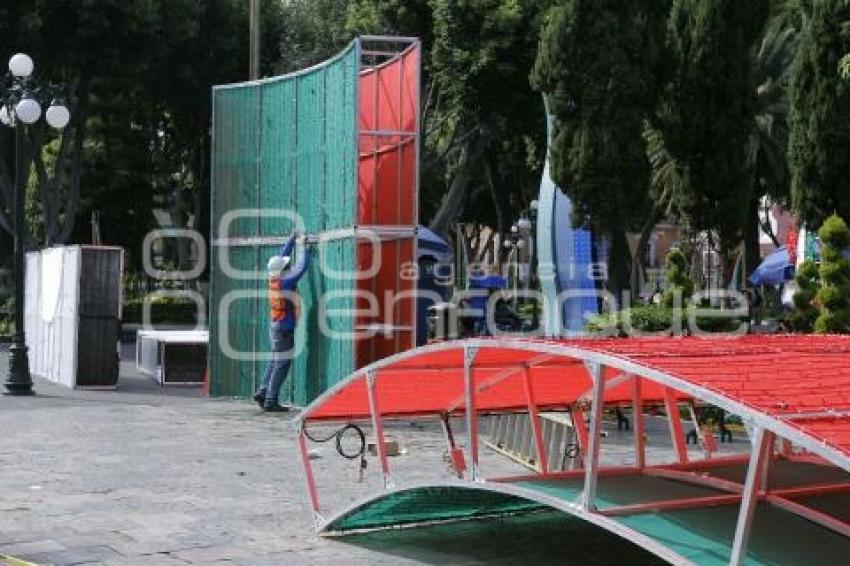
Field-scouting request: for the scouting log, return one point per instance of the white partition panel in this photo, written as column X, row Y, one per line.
column 53, row 317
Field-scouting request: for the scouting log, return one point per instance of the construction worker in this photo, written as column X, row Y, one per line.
column 284, row 308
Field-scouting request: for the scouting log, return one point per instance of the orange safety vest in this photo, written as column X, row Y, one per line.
column 279, row 305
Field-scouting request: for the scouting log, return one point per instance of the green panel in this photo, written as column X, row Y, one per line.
column 786, row 474
column 303, row 158
column 544, row 537
column 341, row 163
column 310, row 187
column 431, row 504
column 322, row 360
column 285, row 143
column 702, row 535
column 278, row 164
column 234, row 174
column 232, row 376
column 835, row 504
column 620, row 490
column 705, row 536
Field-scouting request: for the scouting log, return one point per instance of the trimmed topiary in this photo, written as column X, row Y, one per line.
column 832, row 298
column 808, row 284
column 678, row 283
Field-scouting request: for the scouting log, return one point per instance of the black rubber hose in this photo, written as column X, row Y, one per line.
column 338, row 434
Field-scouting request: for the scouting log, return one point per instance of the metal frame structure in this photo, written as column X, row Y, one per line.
column 382, row 52
column 770, row 432
column 380, row 58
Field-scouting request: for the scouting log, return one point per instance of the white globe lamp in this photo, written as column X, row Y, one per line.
column 57, row 116
column 21, row 65
column 28, row 111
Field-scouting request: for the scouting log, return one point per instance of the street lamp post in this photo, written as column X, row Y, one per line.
column 525, row 226
column 535, row 319
column 21, row 101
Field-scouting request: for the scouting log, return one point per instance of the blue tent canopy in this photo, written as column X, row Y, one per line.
column 488, row 282
column 428, row 240
column 774, row 270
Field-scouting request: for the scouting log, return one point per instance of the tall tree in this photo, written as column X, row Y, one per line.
column 707, row 111
column 599, row 61
column 310, row 32
column 820, row 115
column 767, row 154
column 138, row 76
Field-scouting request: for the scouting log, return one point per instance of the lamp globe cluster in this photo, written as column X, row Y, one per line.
column 28, row 109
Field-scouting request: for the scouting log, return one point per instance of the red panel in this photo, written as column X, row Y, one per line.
column 388, row 117
column 393, row 287
column 781, row 376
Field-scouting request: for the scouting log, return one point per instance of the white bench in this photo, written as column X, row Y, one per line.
column 172, row 357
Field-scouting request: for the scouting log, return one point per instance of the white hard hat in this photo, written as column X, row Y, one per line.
column 277, row 264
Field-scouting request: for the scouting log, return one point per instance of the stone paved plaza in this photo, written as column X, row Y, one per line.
column 145, row 475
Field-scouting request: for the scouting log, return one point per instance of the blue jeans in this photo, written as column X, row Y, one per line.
column 283, row 342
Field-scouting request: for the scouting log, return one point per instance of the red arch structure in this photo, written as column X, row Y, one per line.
column 792, row 392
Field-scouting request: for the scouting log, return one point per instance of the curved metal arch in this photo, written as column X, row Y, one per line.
column 353, row 44
column 625, row 364
column 574, row 509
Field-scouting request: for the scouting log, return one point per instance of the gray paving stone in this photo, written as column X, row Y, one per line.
column 33, row 547
column 154, row 476
column 75, row 555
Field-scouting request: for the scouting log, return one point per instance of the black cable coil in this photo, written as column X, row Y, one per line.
column 338, row 434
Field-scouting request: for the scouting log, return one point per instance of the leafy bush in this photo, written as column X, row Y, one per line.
column 660, row 319
column 831, row 299
column 808, row 285
column 647, row 318
column 679, row 285
column 7, row 317
column 164, row 310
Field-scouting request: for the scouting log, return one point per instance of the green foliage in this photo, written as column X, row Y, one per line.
column 598, row 61
column 483, row 125
column 482, row 50
column 311, row 31
column 659, row 319
column 138, row 78
column 392, row 17
column 7, row 317
column 767, row 159
column 820, row 115
column 808, row 284
column 163, row 310
column 707, row 111
column 833, row 298
column 648, row 318
column 600, row 100
column 834, row 234
column 643, row 318
column 680, row 287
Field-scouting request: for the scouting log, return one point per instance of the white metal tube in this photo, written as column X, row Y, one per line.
column 761, row 443
column 471, row 415
column 638, row 423
column 592, row 458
